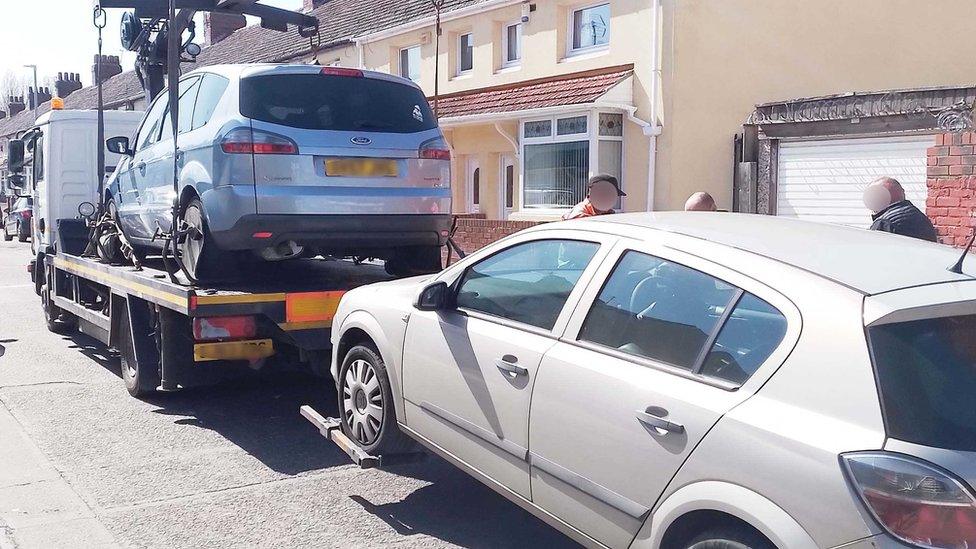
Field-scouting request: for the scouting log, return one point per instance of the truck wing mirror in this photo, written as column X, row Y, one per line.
column 119, row 145
column 15, row 156
column 434, row 297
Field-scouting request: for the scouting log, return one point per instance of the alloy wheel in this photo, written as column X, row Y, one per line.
column 362, row 402
column 192, row 246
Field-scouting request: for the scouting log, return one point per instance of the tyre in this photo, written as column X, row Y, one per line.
column 21, row 237
column 200, row 255
column 366, row 403
column 7, row 237
column 729, row 538
column 139, row 382
column 58, row 321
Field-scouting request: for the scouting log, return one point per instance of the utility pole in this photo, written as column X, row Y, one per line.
column 36, row 94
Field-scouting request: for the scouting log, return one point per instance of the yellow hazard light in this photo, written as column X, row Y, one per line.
column 57, row 104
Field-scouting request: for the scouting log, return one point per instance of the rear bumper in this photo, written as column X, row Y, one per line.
column 346, row 234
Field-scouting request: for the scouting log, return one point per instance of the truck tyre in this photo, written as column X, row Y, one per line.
column 21, row 237
column 7, row 237
column 58, row 321
column 139, row 381
column 200, row 255
column 366, row 403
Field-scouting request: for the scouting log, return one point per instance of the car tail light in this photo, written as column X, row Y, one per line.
column 223, row 327
column 915, row 501
column 342, row 71
column 26, row 214
column 248, row 141
column 435, row 149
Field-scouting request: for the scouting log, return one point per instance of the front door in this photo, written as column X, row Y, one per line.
column 130, row 194
column 468, row 372
column 650, row 361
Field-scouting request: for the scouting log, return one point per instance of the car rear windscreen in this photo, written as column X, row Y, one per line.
column 339, row 103
column 926, row 371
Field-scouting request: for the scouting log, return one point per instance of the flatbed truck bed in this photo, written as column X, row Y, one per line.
column 171, row 334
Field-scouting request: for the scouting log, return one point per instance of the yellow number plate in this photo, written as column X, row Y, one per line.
column 361, row 167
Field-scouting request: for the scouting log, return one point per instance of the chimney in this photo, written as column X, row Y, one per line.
column 218, row 26
column 36, row 99
column 15, row 104
column 312, row 4
column 111, row 65
column 67, row 83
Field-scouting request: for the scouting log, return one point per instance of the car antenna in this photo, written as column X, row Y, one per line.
column 957, row 267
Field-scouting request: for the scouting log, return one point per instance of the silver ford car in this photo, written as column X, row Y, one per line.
column 279, row 160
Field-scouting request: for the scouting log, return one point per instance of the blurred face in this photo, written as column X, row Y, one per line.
column 876, row 198
column 603, row 195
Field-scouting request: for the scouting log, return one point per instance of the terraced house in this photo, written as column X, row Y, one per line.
column 744, row 99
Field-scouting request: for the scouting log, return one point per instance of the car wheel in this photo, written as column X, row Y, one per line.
column 366, row 403
column 201, row 257
column 729, row 538
column 21, row 237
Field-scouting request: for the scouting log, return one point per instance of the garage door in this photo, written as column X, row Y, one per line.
column 824, row 180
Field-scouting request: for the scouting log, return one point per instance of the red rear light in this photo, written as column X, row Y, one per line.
column 435, row 149
column 262, row 234
column 342, row 71
column 223, row 327
column 247, row 141
column 26, row 214
column 915, row 501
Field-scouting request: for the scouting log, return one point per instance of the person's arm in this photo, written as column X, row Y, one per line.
column 881, row 224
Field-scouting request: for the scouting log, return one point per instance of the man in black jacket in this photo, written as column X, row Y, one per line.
column 893, row 213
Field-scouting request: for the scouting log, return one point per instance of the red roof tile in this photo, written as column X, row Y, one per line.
column 570, row 89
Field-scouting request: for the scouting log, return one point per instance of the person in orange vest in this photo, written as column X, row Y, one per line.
column 602, row 193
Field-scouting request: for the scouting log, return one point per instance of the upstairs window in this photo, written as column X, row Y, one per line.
column 410, row 63
column 512, row 45
column 590, row 28
column 465, row 53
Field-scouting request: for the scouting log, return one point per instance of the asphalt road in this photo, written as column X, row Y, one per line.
column 84, row 464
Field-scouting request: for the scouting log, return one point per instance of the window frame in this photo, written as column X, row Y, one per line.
column 454, row 274
column 517, row 62
column 460, row 53
column 745, row 284
column 571, row 29
column 400, row 62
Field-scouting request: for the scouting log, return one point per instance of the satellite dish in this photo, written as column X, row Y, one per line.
column 131, row 28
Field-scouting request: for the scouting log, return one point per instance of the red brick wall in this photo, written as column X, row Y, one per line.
column 475, row 232
column 952, row 186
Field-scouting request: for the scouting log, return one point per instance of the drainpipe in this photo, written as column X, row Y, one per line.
column 360, row 46
column 653, row 130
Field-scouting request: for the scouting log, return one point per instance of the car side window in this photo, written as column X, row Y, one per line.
column 752, row 332
column 657, row 309
column 150, row 126
column 528, row 282
column 211, row 91
column 188, row 92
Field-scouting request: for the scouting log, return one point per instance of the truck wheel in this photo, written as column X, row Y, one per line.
column 199, row 252
column 7, row 236
column 21, row 237
column 139, row 381
column 366, row 403
column 58, row 321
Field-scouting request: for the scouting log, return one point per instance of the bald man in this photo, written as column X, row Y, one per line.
column 891, row 212
column 700, row 202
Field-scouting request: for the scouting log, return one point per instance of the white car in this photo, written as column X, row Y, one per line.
column 686, row 380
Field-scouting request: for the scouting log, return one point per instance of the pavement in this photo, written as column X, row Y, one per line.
column 82, row 464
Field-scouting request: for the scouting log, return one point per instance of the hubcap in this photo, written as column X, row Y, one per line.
column 193, row 243
column 362, row 402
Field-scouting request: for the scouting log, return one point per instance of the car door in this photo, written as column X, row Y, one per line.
column 134, row 173
column 159, row 183
column 468, row 371
column 654, row 355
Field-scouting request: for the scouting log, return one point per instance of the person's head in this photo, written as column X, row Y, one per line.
column 603, row 190
column 883, row 192
column 700, row 202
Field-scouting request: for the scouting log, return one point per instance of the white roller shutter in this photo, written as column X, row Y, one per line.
column 824, row 180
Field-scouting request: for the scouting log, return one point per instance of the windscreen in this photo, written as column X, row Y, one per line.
column 340, row 103
column 926, row 371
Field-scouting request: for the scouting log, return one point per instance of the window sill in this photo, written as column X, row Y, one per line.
column 463, row 76
column 515, row 67
column 537, row 215
column 582, row 55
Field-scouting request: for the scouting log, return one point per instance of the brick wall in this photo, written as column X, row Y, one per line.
column 475, row 232
column 952, row 186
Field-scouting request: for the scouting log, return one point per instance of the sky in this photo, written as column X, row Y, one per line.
column 58, row 36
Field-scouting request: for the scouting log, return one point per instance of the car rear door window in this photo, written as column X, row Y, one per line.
column 212, row 89
column 527, row 283
column 750, row 334
column 657, row 309
column 339, row 103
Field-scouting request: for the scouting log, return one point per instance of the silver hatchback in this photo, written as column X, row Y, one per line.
column 280, row 160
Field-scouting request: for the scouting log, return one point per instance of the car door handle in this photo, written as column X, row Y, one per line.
column 509, row 363
column 179, row 158
column 660, row 425
column 141, row 166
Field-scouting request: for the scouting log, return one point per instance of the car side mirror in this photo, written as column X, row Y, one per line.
column 16, row 180
column 434, row 297
column 15, row 156
column 119, row 145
